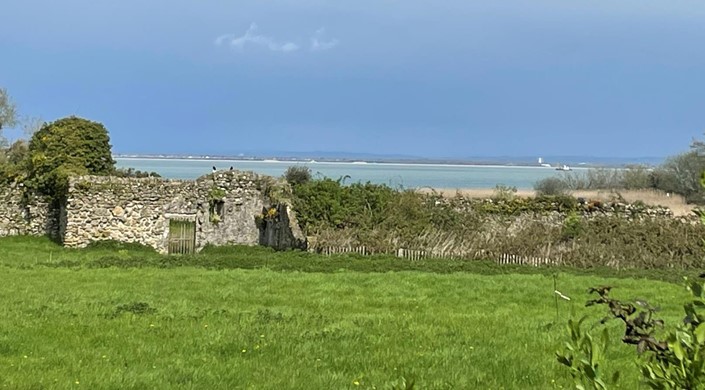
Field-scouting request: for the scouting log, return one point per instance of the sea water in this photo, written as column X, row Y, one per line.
column 392, row 174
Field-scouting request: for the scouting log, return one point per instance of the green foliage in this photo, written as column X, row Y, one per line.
column 682, row 364
column 216, row 194
column 327, row 203
column 297, row 175
column 117, row 246
column 584, row 357
column 69, row 146
column 13, row 162
column 676, row 361
column 11, row 156
column 276, row 191
column 572, row 226
column 131, row 172
column 553, row 186
column 680, row 174
column 402, row 384
column 503, row 192
column 383, row 220
column 521, row 205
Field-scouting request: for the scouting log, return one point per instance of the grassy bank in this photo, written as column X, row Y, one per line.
column 250, row 318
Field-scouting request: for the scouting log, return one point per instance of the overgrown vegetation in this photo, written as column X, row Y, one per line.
column 551, row 186
column 668, row 359
column 504, row 192
column 555, row 227
column 131, row 172
column 297, row 175
column 679, row 174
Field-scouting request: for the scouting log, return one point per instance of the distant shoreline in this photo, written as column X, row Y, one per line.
column 468, row 165
column 355, row 162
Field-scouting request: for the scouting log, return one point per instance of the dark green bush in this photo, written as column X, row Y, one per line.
column 66, row 147
column 572, row 226
column 327, row 203
column 131, row 172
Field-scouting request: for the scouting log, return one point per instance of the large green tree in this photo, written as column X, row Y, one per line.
column 68, row 146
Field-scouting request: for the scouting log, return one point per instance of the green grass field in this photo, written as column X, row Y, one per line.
column 126, row 318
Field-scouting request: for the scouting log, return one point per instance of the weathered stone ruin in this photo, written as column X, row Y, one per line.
column 182, row 216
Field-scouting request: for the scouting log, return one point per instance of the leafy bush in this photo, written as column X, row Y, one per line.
column 326, row 203
column 131, row 172
column 676, row 361
column 572, row 226
column 681, row 175
column 584, row 357
column 551, row 186
column 297, row 175
column 69, row 146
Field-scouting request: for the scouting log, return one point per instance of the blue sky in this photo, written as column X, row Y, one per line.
column 436, row 79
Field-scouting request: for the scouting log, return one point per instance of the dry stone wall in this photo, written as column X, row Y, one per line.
column 23, row 214
column 223, row 206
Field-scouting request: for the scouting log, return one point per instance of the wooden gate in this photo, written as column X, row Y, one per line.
column 182, row 237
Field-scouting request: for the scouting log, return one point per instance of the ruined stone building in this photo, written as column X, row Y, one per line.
column 172, row 216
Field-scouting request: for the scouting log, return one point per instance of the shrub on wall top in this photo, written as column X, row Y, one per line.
column 68, row 146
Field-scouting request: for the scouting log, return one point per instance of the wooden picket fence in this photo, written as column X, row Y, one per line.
column 536, row 261
column 416, row 255
column 331, row 250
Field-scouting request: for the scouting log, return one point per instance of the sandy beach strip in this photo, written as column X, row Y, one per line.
column 676, row 203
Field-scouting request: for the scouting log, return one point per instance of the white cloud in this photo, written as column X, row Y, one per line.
column 319, row 43
column 252, row 38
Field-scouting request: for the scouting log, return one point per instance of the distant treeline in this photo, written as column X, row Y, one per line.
column 680, row 174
